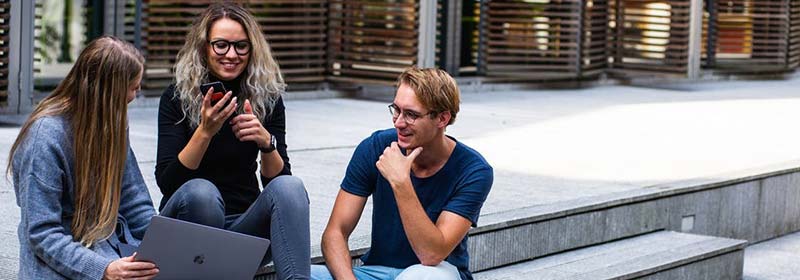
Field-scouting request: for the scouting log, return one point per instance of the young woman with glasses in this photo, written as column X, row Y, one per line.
column 207, row 151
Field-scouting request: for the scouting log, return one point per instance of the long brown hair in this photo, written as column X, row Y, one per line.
column 93, row 100
column 262, row 82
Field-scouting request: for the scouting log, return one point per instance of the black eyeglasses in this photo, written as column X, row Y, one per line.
column 221, row 47
column 408, row 116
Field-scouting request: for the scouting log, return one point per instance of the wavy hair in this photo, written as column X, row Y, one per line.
column 93, row 100
column 263, row 82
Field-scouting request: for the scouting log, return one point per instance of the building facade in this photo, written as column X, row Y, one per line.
column 327, row 43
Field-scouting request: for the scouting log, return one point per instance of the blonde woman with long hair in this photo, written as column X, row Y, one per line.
column 78, row 185
column 207, row 151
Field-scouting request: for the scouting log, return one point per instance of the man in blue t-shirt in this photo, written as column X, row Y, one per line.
column 427, row 190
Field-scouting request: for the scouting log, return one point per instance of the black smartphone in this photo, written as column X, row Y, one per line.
column 218, row 92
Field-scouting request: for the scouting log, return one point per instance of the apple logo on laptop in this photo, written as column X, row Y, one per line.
column 199, row 259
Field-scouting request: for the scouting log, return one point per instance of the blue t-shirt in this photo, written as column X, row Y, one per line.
column 460, row 187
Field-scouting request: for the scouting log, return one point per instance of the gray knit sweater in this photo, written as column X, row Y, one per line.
column 43, row 174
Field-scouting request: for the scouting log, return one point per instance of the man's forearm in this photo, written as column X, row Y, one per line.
column 337, row 256
column 425, row 238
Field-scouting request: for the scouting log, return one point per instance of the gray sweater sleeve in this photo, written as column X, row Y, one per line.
column 40, row 185
column 135, row 203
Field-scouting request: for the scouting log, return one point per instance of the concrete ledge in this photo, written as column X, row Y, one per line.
column 497, row 221
column 718, row 206
column 658, row 255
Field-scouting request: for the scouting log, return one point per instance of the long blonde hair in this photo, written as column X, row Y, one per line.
column 263, row 82
column 93, row 100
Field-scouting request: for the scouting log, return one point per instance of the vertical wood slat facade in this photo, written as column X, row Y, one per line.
column 38, row 30
column 165, row 27
column 531, row 40
column 372, row 41
column 770, row 33
column 130, row 28
column 749, row 35
column 448, row 35
column 560, row 39
column 295, row 30
column 649, row 36
column 5, row 20
column 793, row 58
column 595, row 32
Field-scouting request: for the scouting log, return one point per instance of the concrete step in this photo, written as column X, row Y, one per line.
column 773, row 259
column 753, row 205
column 658, row 255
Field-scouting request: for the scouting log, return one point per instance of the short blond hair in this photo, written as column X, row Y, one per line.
column 436, row 89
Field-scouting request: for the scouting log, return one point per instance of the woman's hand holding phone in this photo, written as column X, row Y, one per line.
column 213, row 116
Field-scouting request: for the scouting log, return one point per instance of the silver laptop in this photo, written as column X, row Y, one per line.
column 184, row 250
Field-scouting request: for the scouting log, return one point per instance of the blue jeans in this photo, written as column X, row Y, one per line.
column 280, row 213
column 443, row 271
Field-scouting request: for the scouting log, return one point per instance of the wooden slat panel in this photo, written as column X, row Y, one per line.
column 38, row 32
column 296, row 31
column 793, row 51
column 649, row 35
column 750, row 35
column 371, row 41
column 594, row 56
column 524, row 39
column 130, row 21
column 5, row 16
column 471, row 51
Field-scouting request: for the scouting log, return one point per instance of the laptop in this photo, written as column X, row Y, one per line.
column 184, row 250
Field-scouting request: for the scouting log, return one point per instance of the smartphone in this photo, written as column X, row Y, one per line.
column 218, row 92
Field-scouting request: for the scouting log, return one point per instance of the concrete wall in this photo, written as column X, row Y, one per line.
column 754, row 208
column 713, row 268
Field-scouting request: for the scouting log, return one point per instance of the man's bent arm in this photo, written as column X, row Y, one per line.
column 346, row 212
column 431, row 243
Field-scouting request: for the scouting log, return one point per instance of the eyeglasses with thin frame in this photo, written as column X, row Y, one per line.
column 408, row 116
column 221, row 47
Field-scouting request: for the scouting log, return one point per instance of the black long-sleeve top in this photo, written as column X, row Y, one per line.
column 228, row 163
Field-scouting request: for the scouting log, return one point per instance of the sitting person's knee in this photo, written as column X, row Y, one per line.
column 197, row 201
column 199, row 189
column 444, row 270
column 288, row 188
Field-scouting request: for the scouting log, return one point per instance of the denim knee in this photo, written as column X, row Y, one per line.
column 199, row 189
column 444, row 270
column 288, row 190
column 198, row 201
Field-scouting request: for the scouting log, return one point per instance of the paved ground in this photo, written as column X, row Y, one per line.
column 545, row 145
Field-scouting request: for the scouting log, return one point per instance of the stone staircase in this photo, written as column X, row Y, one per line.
column 694, row 229
column 658, row 255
